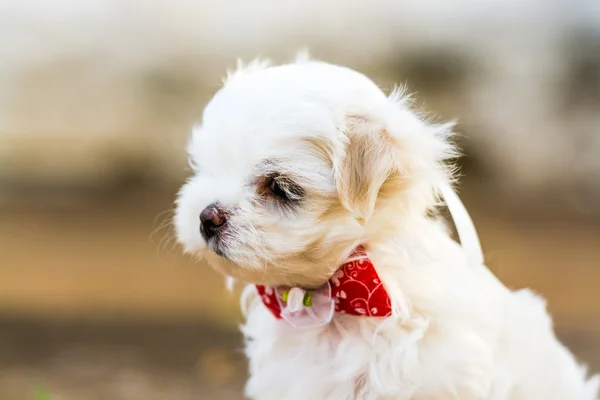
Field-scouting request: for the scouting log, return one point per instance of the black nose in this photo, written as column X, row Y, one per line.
column 212, row 219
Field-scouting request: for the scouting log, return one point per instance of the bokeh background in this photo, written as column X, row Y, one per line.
column 97, row 98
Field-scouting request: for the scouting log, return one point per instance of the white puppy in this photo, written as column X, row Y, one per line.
column 301, row 166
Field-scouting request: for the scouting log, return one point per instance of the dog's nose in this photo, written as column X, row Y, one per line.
column 212, row 218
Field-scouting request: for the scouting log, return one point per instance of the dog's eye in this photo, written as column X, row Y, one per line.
column 284, row 189
column 277, row 190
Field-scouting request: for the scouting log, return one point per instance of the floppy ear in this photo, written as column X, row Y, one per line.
column 369, row 162
column 390, row 150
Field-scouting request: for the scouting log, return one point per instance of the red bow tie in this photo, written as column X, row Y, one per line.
column 355, row 288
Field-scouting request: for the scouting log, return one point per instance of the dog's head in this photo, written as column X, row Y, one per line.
column 297, row 164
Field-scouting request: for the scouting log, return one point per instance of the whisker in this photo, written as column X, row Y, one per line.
column 165, row 223
column 166, row 244
column 165, row 233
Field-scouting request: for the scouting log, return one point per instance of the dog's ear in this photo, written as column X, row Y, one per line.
column 390, row 150
column 370, row 160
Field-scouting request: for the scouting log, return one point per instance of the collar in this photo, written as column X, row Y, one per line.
column 355, row 288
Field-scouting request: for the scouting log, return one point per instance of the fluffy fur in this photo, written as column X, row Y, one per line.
column 358, row 167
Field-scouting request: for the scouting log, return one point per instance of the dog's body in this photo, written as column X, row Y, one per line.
column 295, row 167
column 459, row 334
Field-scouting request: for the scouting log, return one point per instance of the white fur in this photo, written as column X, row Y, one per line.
column 456, row 332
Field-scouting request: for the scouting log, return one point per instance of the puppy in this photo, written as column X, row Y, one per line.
column 318, row 190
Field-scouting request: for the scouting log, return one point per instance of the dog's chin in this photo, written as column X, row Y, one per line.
column 217, row 247
column 222, row 261
column 217, row 259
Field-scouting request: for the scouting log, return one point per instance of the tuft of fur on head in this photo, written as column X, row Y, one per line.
column 302, row 56
column 241, row 68
column 353, row 163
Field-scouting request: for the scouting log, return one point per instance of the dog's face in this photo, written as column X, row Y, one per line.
column 296, row 165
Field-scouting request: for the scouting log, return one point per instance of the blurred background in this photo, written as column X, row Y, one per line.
column 97, row 98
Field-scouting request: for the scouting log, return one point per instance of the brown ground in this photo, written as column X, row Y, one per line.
column 92, row 307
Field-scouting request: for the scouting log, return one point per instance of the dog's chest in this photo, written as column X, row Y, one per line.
column 332, row 362
column 363, row 358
